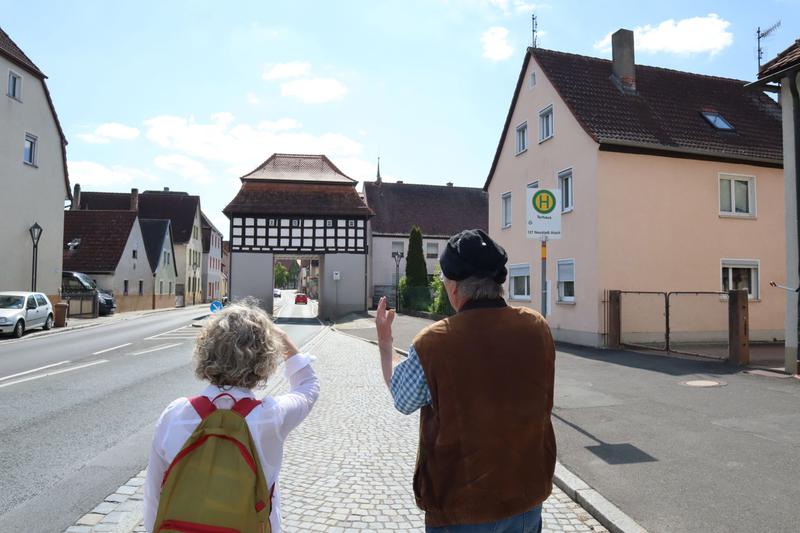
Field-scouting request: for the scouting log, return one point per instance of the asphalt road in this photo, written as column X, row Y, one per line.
column 79, row 408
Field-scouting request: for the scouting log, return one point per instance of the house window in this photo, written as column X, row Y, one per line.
column 565, row 184
column 125, row 287
column 740, row 274
column 295, row 222
column 545, row 123
column 532, row 80
column 717, row 120
column 522, row 137
column 351, row 223
column 505, row 210
column 737, row 195
column 566, row 280
column 519, row 282
column 397, row 247
column 432, row 250
column 29, row 154
column 135, row 254
column 161, row 286
column 329, row 223
column 141, row 287
column 14, row 85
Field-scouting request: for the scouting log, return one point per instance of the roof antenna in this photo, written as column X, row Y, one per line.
column 761, row 35
column 534, row 31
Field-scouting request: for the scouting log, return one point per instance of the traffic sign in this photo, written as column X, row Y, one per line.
column 544, row 214
column 216, row 305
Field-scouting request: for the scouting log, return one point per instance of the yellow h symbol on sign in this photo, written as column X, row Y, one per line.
column 544, row 202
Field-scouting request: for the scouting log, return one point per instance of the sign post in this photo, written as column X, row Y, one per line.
column 544, row 223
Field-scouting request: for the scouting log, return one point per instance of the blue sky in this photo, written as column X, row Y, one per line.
column 191, row 95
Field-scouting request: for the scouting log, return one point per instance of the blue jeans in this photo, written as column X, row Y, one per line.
column 528, row 522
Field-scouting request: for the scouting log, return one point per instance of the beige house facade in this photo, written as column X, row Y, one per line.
column 657, row 195
column 33, row 175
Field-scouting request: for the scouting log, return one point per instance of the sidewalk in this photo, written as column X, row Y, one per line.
column 348, row 467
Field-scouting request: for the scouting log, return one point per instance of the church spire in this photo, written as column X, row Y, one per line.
column 379, row 170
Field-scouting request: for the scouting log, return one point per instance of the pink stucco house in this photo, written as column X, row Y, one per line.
column 670, row 181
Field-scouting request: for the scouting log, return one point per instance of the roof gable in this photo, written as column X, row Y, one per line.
column 154, row 233
column 786, row 59
column 665, row 113
column 310, row 199
column 299, row 168
column 438, row 210
column 103, row 236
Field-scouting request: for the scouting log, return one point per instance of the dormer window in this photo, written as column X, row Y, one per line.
column 717, row 120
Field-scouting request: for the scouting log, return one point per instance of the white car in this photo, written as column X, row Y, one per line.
column 21, row 311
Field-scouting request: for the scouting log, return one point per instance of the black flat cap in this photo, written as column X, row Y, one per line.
column 472, row 253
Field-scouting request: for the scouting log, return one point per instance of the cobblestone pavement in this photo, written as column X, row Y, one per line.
column 348, row 467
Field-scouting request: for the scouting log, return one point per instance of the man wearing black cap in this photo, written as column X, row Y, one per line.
column 483, row 380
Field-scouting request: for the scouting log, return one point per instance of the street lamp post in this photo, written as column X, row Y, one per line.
column 36, row 234
column 194, row 282
column 398, row 256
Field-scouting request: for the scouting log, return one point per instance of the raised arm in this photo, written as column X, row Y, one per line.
column 383, row 323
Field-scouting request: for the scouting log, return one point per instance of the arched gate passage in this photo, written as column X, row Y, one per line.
column 304, row 205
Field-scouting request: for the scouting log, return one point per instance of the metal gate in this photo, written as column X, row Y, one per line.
column 82, row 304
column 699, row 323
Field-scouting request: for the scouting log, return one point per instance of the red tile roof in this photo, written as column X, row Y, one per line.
column 788, row 58
column 665, row 114
column 178, row 207
column 281, row 198
column 299, row 167
column 102, row 234
column 438, row 210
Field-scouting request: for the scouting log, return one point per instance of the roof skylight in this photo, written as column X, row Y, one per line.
column 717, row 120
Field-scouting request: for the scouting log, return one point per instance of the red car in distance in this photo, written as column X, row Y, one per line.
column 301, row 298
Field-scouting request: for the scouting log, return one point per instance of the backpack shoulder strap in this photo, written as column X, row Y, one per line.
column 202, row 405
column 245, row 405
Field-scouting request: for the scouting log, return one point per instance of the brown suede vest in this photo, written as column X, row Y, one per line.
column 487, row 449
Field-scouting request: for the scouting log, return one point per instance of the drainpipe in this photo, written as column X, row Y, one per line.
column 796, row 123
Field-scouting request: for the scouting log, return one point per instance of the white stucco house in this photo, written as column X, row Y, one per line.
column 440, row 211
column 211, row 281
column 33, row 175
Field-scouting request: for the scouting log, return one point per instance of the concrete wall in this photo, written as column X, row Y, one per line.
column 570, row 147
column 790, row 226
column 348, row 295
column 252, row 276
column 30, row 193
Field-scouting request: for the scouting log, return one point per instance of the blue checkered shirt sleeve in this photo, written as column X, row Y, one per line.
column 409, row 388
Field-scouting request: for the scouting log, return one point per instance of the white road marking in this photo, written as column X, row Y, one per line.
column 184, row 332
column 163, row 333
column 162, row 347
column 53, row 373
column 32, row 370
column 114, row 348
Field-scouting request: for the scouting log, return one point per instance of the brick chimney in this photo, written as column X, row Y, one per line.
column 135, row 200
column 622, row 64
column 449, row 183
column 76, row 197
column 166, row 189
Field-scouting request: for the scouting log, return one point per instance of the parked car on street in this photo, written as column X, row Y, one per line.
column 300, row 298
column 21, row 311
column 80, row 283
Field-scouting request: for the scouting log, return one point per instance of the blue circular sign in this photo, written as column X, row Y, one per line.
column 216, row 305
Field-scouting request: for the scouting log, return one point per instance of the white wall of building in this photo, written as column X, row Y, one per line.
column 30, row 193
column 252, row 276
column 212, row 267
column 790, row 206
column 346, row 295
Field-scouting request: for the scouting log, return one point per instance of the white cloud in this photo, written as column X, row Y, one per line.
column 253, row 99
column 495, row 44
column 520, row 6
column 293, row 69
column 184, row 166
column 314, row 90
column 696, row 35
column 241, row 146
column 525, row 7
column 96, row 174
column 104, row 133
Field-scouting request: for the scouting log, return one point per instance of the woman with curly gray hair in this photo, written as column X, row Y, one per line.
column 238, row 349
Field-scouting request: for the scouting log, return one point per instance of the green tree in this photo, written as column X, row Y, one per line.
column 417, row 291
column 441, row 303
column 294, row 272
column 281, row 276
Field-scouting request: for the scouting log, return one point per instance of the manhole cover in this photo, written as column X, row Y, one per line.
column 704, row 383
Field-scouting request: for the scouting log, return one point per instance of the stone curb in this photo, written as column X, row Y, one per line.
column 123, row 510
column 404, row 353
column 605, row 512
